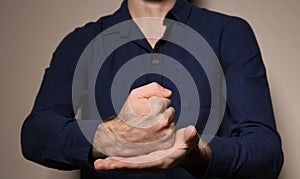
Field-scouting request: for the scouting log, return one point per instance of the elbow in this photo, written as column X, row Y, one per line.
column 28, row 141
column 273, row 169
column 36, row 144
column 274, row 155
column 275, row 152
column 278, row 161
column 25, row 142
column 263, row 157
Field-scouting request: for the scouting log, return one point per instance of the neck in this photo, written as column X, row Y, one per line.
column 150, row 8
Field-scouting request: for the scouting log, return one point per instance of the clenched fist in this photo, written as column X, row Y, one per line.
column 145, row 124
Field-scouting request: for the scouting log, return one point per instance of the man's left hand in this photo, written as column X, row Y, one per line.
column 184, row 153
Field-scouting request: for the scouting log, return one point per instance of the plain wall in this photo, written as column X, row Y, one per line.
column 31, row 30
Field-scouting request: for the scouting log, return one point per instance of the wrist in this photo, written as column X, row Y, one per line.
column 198, row 160
column 95, row 150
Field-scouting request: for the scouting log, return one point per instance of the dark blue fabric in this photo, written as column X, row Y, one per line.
column 247, row 144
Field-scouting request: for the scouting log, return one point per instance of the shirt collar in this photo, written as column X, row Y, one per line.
column 179, row 12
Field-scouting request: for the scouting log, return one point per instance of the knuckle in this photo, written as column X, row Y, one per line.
column 172, row 125
column 165, row 120
column 162, row 103
column 168, row 115
column 168, row 102
column 158, row 104
column 133, row 92
column 155, row 86
column 172, row 111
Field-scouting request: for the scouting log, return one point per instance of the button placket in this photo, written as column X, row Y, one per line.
column 155, row 61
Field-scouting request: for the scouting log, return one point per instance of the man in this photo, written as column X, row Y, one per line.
column 247, row 144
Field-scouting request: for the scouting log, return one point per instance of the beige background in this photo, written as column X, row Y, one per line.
column 31, row 30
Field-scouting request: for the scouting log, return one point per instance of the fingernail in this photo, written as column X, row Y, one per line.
column 167, row 91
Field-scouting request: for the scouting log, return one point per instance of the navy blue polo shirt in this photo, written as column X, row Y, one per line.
column 247, row 143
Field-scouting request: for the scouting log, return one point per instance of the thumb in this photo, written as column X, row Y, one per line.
column 152, row 89
column 191, row 135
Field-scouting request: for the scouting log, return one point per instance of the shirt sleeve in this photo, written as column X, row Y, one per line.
column 251, row 146
column 51, row 136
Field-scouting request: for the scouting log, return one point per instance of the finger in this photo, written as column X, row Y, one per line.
column 166, row 120
column 101, row 164
column 169, row 113
column 152, row 89
column 119, row 163
column 158, row 104
column 167, row 102
column 108, row 163
column 155, row 161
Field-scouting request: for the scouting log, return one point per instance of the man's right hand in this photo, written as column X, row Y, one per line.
column 145, row 124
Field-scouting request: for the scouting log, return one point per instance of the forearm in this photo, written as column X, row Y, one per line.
column 254, row 155
column 55, row 141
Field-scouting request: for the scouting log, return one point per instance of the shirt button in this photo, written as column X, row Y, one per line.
column 155, row 62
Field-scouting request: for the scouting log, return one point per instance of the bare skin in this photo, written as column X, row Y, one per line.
column 145, row 117
column 157, row 9
column 189, row 150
